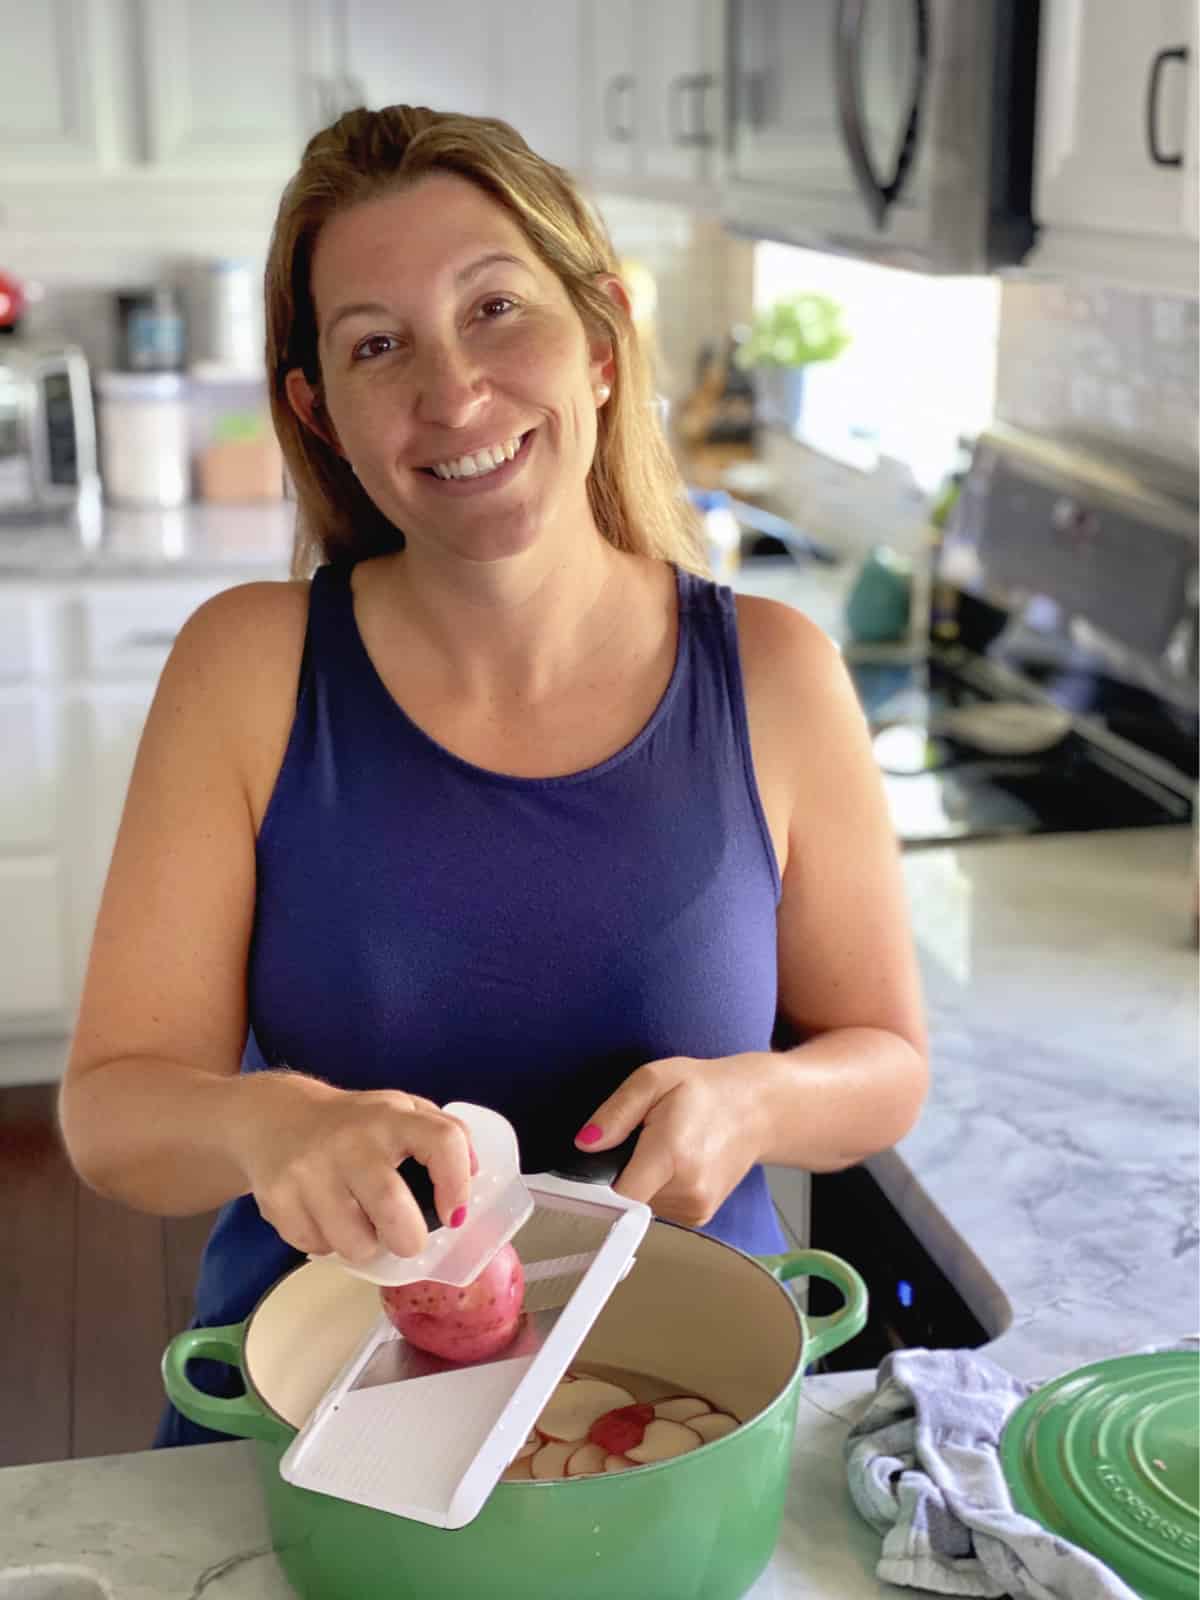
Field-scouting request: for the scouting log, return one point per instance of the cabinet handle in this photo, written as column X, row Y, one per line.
column 753, row 100
column 622, row 84
column 1152, row 88
column 879, row 194
column 149, row 639
column 694, row 85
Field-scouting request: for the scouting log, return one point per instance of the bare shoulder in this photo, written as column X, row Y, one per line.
column 232, row 675
column 786, row 658
column 273, row 613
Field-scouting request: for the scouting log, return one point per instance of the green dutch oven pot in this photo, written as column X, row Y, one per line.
column 695, row 1313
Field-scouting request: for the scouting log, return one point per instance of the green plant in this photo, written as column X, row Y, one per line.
column 795, row 332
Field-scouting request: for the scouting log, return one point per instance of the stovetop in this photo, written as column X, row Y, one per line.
column 1121, row 762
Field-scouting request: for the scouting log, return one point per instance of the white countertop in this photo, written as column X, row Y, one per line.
column 241, row 541
column 1059, row 1137
column 170, row 1524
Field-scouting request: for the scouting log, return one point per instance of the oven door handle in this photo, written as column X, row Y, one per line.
column 879, row 193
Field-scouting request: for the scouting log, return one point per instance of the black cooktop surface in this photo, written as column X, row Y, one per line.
column 942, row 787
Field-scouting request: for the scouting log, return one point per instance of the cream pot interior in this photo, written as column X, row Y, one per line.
column 692, row 1312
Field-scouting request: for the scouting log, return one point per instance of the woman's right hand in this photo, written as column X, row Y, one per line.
column 321, row 1164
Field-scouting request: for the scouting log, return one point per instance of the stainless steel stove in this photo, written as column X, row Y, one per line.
column 1054, row 686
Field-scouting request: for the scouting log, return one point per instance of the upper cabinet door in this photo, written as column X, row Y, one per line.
column 783, row 110
column 614, row 92
column 681, row 49
column 1116, row 117
column 234, row 86
column 436, row 53
column 60, row 86
column 539, row 54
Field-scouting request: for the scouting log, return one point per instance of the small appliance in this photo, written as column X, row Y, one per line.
column 48, row 459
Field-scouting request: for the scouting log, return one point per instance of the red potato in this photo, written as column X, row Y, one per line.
column 663, row 1440
column 470, row 1324
column 551, row 1460
column 520, row 1470
column 681, row 1408
column 713, row 1426
column 586, row 1460
column 618, row 1431
column 618, row 1463
column 573, row 1407
column 531, row 1444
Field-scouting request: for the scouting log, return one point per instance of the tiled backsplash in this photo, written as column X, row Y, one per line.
column 703, row 275
column 1105, row 364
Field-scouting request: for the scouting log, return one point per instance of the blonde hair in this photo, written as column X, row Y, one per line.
column 634, row 487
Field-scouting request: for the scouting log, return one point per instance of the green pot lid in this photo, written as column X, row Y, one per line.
column 1109, row 1458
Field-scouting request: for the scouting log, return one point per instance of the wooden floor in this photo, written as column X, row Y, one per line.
column 90, row 1293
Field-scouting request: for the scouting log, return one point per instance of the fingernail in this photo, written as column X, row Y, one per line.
column 589, row 1134
column 458, row 1216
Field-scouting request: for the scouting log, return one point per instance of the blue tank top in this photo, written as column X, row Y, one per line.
column 523, row 943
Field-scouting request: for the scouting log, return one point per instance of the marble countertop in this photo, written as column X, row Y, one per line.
column 1060, row 1133
column 174, row 1524
column 241, row 541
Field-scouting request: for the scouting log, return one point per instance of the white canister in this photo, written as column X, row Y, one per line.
column 144, row 454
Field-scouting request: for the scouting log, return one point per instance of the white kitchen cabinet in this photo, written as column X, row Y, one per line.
column 34, row 989
column 1116, row 172
column 539, row 55
column 654, row 84
column 79, row 665
column 612, row 93
column 683, row 87
column 436, row 53
column 62, row 100
column 235, row 86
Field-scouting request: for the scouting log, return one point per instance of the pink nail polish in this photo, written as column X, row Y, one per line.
column 589, row 1134
column 458, row 1216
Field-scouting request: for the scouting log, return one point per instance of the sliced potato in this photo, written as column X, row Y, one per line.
column 713, row 1426
column 663, row 1440
column 517, row 1470
column 589, row 1458
column 551, row 1460
column 573, row 1407
column 618, row 1463
column 681, row 1408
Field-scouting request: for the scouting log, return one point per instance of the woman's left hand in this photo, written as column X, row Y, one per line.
column 701, row 1132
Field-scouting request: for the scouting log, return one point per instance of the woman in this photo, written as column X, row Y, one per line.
column 508, row 804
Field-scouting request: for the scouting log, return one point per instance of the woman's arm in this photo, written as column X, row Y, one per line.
column 154, row 1111
column 150, row 1100
column 849, row 986
column 848, row 981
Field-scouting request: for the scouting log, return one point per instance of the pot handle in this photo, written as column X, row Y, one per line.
column 824, row 1333
column 242, row 1415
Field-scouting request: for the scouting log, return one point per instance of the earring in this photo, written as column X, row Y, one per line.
column 602, row 394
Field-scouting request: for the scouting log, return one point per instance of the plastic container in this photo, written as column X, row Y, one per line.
column 144, row 456
column 722, row 532
column 151, row 329
column 225, row 320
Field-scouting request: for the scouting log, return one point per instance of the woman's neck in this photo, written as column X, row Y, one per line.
column 521, row 628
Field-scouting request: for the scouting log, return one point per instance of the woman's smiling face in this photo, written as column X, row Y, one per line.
column 447, row 346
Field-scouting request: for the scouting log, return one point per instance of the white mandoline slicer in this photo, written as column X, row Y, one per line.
column 403, row 1431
